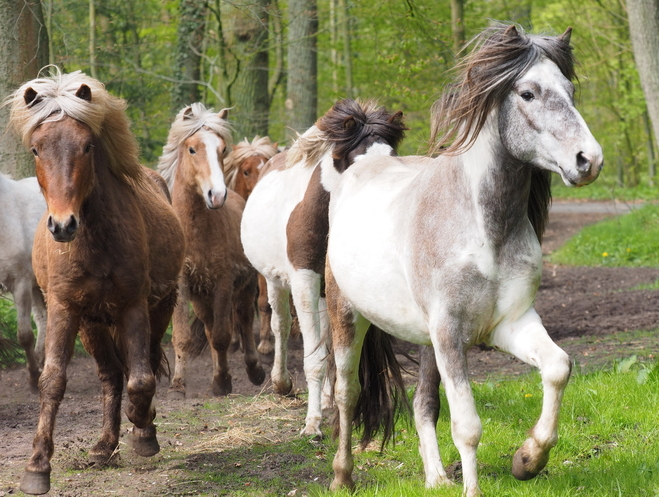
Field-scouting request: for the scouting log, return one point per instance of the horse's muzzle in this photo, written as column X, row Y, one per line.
column 63, row 231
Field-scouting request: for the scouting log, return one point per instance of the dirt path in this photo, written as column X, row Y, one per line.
column 593, row 313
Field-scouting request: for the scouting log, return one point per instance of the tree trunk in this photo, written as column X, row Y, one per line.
column 246, row 35
column 302, row 87
column 92, row 40
column 347, row 50
column 644, row 30
column 192, row 22
column 457, row 25
column 23, row 52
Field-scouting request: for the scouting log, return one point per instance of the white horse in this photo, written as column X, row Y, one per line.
column 284, row 230
column 22, row 207
column 449, row 254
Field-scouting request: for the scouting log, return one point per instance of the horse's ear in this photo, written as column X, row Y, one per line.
column 187, row 113
column 84, row 92
column 223, row 113
column 31, row 97
column 396, row 118
column 511, row 32
column 349, row 123
column 565, row 37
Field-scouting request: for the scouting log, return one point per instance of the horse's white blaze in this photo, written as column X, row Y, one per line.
column 213, row 188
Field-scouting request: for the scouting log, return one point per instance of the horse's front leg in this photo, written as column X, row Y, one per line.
column 347, row 342
column 219, row 329
column 141, row 385
column 98, row 342
column 426, row 414
column 182, row 341
column 23, row 300
column 305, row 287
column 527, row 339
column 244, row 321
column 60, row 338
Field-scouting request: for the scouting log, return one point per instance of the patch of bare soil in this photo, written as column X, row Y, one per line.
column 591, row 312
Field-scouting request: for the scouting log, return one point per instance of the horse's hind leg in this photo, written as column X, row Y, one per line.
column 312, row 319
column 244, row 321
column 426, row 414
column 40, row 318
column 527, row 339
column 182, row 342
column 98, row 342
column 62, row 329
column 23, row 300
column 281, row 329
column 266, row 342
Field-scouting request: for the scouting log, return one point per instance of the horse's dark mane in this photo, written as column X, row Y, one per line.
column 348, row 122
column 539, row 201
column 485, row 77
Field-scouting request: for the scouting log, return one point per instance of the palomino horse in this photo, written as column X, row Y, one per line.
column 448, row 254
column 107, row 254
column 243, row 168
column 284, row 230
column 216, row 277
column 22, row 208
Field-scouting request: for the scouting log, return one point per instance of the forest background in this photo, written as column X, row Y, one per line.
column 282, row 63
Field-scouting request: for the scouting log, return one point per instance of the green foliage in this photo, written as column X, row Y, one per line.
column 629, row 240
column 8, row 330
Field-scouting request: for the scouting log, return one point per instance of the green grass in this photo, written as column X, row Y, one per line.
column 631, row 240
column 604, row 189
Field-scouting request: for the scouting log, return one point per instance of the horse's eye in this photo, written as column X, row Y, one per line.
column 527, row 96
column 88, row 148
column 34, row 152
column 192, row 151
column 246, row 173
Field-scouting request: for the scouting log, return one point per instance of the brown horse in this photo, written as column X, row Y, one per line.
column 244, row 166
column 107, row 254
column 216, row 277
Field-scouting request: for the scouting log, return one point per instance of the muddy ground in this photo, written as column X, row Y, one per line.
column 593, row 313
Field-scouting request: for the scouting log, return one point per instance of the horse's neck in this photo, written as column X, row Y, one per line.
column 500, row 185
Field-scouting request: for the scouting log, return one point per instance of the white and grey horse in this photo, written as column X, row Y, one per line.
column 448, row 254
column 22, row 208
column 284, row 230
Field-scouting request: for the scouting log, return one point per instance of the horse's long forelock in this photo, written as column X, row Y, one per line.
column 188, row 121
column 105, row 115
column 260, row 146
column 484, row 79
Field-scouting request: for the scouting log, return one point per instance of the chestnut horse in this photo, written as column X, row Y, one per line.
column 216, row 277
column 446, row 251
column 284, row 230
column 243, row 167
column 107, row 254
column 22, row 208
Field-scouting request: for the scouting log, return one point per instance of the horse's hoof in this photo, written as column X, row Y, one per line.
column 256, row 374
column 524, row 468
column 283, row 388
column 175, row 394
column 103, row 454
column 145, row 445
column 35, row 483
column 222, row 387
column 341, row 483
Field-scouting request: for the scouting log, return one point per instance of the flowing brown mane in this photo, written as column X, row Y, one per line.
column 188, row 121
column 484, row 78
column 260, row 146
column 104, row 114
column 346, row 124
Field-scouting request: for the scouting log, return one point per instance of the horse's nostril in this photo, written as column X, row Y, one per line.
column 583, row 163
column 71, row 225
column 51, row 225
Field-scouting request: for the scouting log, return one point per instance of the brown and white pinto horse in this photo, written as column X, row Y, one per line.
column 284, row 230
column 243, row 168
column 216, row 277
column 107, row 254
column 446, row 251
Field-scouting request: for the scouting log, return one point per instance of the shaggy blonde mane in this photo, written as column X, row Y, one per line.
column 309, row 148
column 188, row 121
column 56, row 97
column 260, row 147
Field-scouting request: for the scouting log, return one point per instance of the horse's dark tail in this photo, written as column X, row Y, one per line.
column 198, row 341
column 383, row 395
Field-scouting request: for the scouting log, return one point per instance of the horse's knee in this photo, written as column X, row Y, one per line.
column 557, row 373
